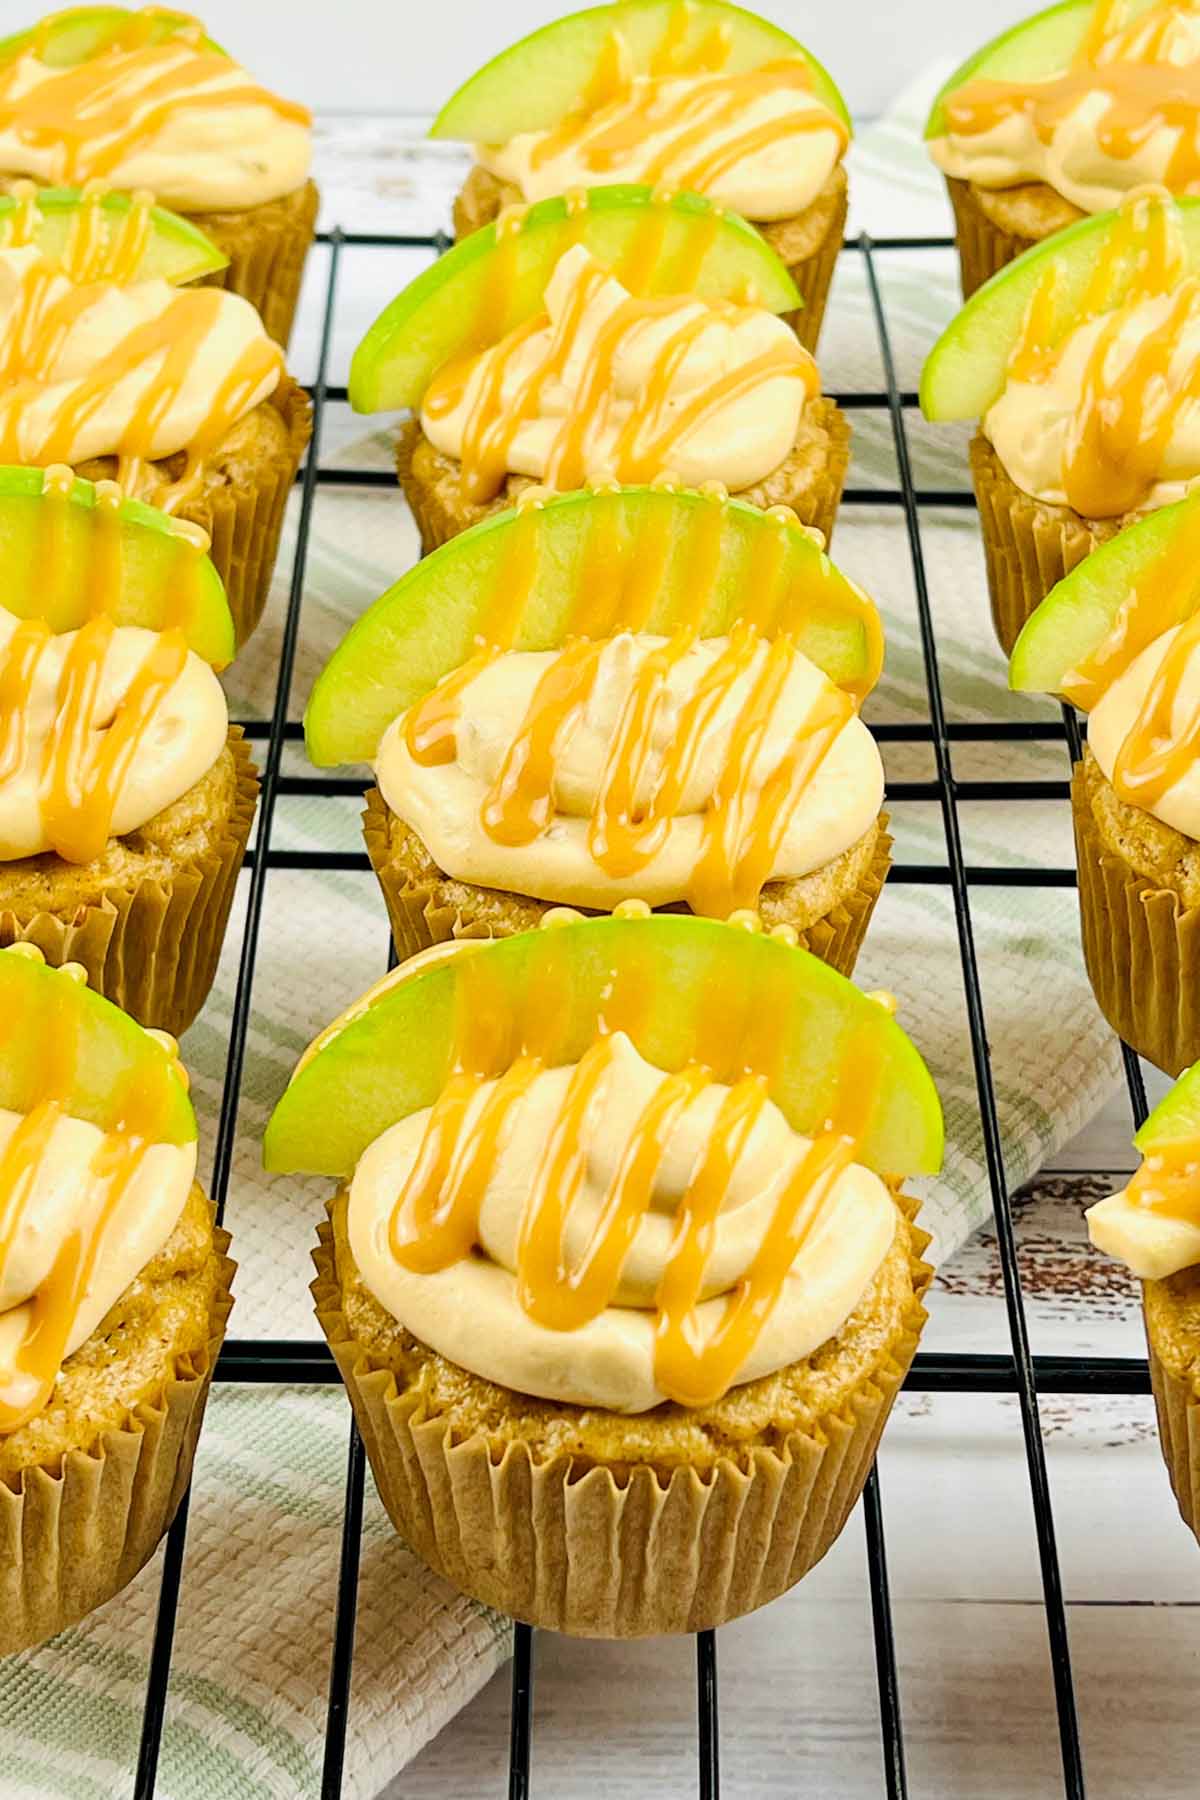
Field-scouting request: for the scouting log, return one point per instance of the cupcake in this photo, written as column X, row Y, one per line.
column 1062, row 117
column 702, row 96
column 175, row 392
column 1120, row 637
column 1080, row 363
column 144, row 100
column 641, row 694
column 1153, row 1226
column 126, row 796
column 617, row 334
column 114, row 1294
column 620, row 1274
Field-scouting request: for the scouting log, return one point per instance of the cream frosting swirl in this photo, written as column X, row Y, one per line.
column 186, row 123
column 470, row 1311
column 1124, row 703
column 1151, row 1244
column 64, row 1197
column 713, row 391
column 444, row 803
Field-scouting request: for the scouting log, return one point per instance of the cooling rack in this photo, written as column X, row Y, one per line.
column 266, row 1361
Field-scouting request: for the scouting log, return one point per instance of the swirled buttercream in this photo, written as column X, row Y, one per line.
column 1144, row 731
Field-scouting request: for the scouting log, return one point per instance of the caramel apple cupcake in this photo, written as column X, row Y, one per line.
column 1062, row 116
column 1153, row 1226
column 615, row 334
column 695, row 94
column 1120, row 637
column 144, row 100
column 175, row 392
column 620, row 1274
column 114, row 1295
column 1080, row 362
column 639, row 695
column 126, row 796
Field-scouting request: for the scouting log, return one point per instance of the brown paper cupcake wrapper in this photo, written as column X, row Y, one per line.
column 813, row 276
column 982, row 247
column 595, row 1556
column 244, row 518
column 153, row 949
column 1178, row 1409
column 1141, row 946
column 70, row 1539
column 420, row 914
column 266, row 246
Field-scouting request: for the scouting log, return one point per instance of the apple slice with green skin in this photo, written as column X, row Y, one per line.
column 1082, row 610
column 1035, row 50
column 539, row 80
column 966, row 368
column 1176, row 1118
column 175, row 251
column 394, row 1059
column 51, row 545
column 429, row 622
column 63, row 1042
column 450, row 307
column 82, row 32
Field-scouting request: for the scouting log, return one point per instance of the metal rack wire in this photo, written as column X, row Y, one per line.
column 264, row 1361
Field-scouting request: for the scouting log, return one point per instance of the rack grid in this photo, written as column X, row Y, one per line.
column 264, row 1361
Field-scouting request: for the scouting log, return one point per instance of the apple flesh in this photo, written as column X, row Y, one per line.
column 393, row 1059
column 428, row 623
column 1176, row 1117
column 1080, row 612
column 175, row 250
column 44, row 1010
column 150, row 555
column 82, row 32
column 536, row 82
column 438, row 315
column 967, row 366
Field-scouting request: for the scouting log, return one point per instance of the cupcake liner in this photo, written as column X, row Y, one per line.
column 1141, row 945
column 1178, row 1409
column 813, row 275
column 982, row 247
column 266, row 246
column 153, row 948
column 631, row 1554
column 422, row 912
column 72, row 1537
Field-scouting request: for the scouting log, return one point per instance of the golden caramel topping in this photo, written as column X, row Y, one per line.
column 1168, row 1181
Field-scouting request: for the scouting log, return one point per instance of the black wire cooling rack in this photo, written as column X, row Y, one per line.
column 263, row 1361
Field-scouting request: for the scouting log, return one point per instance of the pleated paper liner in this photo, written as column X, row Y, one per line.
column 153, row 948
column 1141, row 945
column 983, row 248
column 625, row 1554
column 425, row 910
column 266, row 246
column 810, row 481
column 1176, row 1399
column 72, row 1537
column 244, row 515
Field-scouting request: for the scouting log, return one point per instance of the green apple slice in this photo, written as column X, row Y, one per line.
column 62, row 1041
column 1035, row 50
column 428, row 623
column 539, row 80
column 52, row 545
column 175, row 251
column 394, row 1058
column 451, row 306
column 1082, row 610
column 1176, row 1117
column 82, row 32
column 966, row 368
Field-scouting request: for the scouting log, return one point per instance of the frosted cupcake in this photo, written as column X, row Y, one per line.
column 145, row 100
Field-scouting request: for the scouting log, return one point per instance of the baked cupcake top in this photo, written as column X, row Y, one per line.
column 1153, row 1225
column 100, row 360
column 144, row 100
column 695, row 93
column 639, row 692
column 617, row 1161
column 1094, row 100
column 1084, row 360
column 109, row 706
column 97, row 1159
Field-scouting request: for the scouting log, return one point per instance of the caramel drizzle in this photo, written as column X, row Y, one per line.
column 1144, row 91
column 1154, row 755
column 101, row 111
column 435, row 1219
column 617, row 591
column 1162, row 597
column 1168, row 1182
